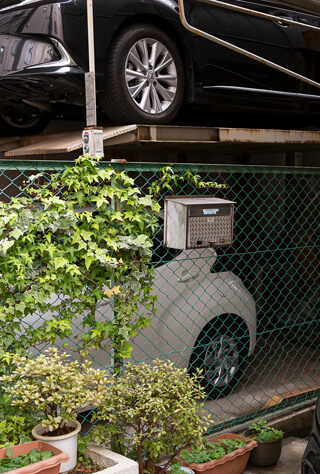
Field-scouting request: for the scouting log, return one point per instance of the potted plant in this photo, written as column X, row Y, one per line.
column 224, row 454
column 159, row 404
column 32, row 458
column 55, row 389
column 268, row 450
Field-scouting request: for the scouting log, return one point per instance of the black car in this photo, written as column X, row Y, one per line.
column 150, row 68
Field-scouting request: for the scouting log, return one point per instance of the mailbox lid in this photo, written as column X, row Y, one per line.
column 194, row 201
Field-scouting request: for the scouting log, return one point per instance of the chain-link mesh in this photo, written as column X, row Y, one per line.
column 246, row 315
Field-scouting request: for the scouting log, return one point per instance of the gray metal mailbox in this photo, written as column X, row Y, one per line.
column 197, row 222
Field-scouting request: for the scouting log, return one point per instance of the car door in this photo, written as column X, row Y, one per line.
column 273, row 40
column 308, row 43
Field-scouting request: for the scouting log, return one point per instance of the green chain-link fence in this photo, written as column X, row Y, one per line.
column 247, row 315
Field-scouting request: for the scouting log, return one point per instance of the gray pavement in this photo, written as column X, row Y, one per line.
column 265, row 377
column 289, row 462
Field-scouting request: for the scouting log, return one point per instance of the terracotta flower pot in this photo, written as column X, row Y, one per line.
column 232, row 463
column 67, row 443
column 47, row 466
column 266, row 453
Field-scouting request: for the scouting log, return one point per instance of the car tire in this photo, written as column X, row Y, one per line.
column 153, row 92
column 23, row 123
column 219, row 353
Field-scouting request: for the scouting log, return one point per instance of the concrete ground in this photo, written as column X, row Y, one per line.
column 270, row 372
column 289, row 462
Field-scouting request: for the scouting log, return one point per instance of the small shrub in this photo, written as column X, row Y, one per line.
column 159, row 406
column 50, row 385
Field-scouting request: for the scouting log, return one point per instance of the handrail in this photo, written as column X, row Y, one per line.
column 249, row 11
column 242, row 51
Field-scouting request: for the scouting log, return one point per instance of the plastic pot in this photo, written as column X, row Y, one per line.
column 232, row 463
column 266, row 453
column 67, row 443
column 47, row 466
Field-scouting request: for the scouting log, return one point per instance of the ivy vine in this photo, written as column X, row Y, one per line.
column 66, row 238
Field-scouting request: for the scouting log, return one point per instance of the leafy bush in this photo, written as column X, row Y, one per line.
column 54, row 387
column 263, row 433
column 159, row 406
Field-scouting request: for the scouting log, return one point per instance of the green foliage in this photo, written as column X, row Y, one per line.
column 82, row 460
column 84, row 236
column 175, row 468
column 82, row 445
column 54, row 387
column 159, row 405
column 169, row 178
column 211, row 450
column 66, row 238
column 263, row 433
column 16, row 424
column 9, row 463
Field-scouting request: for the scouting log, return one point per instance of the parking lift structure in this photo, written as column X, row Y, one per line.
column 166, row 138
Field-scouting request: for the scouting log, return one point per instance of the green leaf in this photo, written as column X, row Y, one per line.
column 5, row 245
column 60, row 262
column 9, row 453
column 88, row 261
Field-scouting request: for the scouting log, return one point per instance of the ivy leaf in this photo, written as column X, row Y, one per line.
column 88, row 261
column 60, row 262
column 5, row 245
column 86, row 235
column 16, row 233
column 125, row 332
column 116, row 216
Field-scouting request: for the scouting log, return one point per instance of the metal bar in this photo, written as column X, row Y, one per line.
column 90, row 77
column 218, row 168
column 242, row 51
column 249, row 11
column 90, row 36
column 151, row 166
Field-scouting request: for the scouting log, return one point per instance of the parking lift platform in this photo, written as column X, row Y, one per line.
column 165, row 137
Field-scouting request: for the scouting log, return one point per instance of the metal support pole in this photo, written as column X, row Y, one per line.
column 116, row 363
column 92, row 136
column 90, row 77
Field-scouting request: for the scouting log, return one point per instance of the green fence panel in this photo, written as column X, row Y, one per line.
column 247, row 315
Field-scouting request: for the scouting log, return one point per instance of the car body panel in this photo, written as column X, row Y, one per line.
column 189, row 296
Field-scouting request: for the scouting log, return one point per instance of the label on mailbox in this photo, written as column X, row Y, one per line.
column 210, row 211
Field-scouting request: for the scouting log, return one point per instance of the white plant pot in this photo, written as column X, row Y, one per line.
column 67, row 443
column 110, row 462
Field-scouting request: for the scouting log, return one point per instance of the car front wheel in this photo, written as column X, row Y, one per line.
column 219, row 352
column 144, row 77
